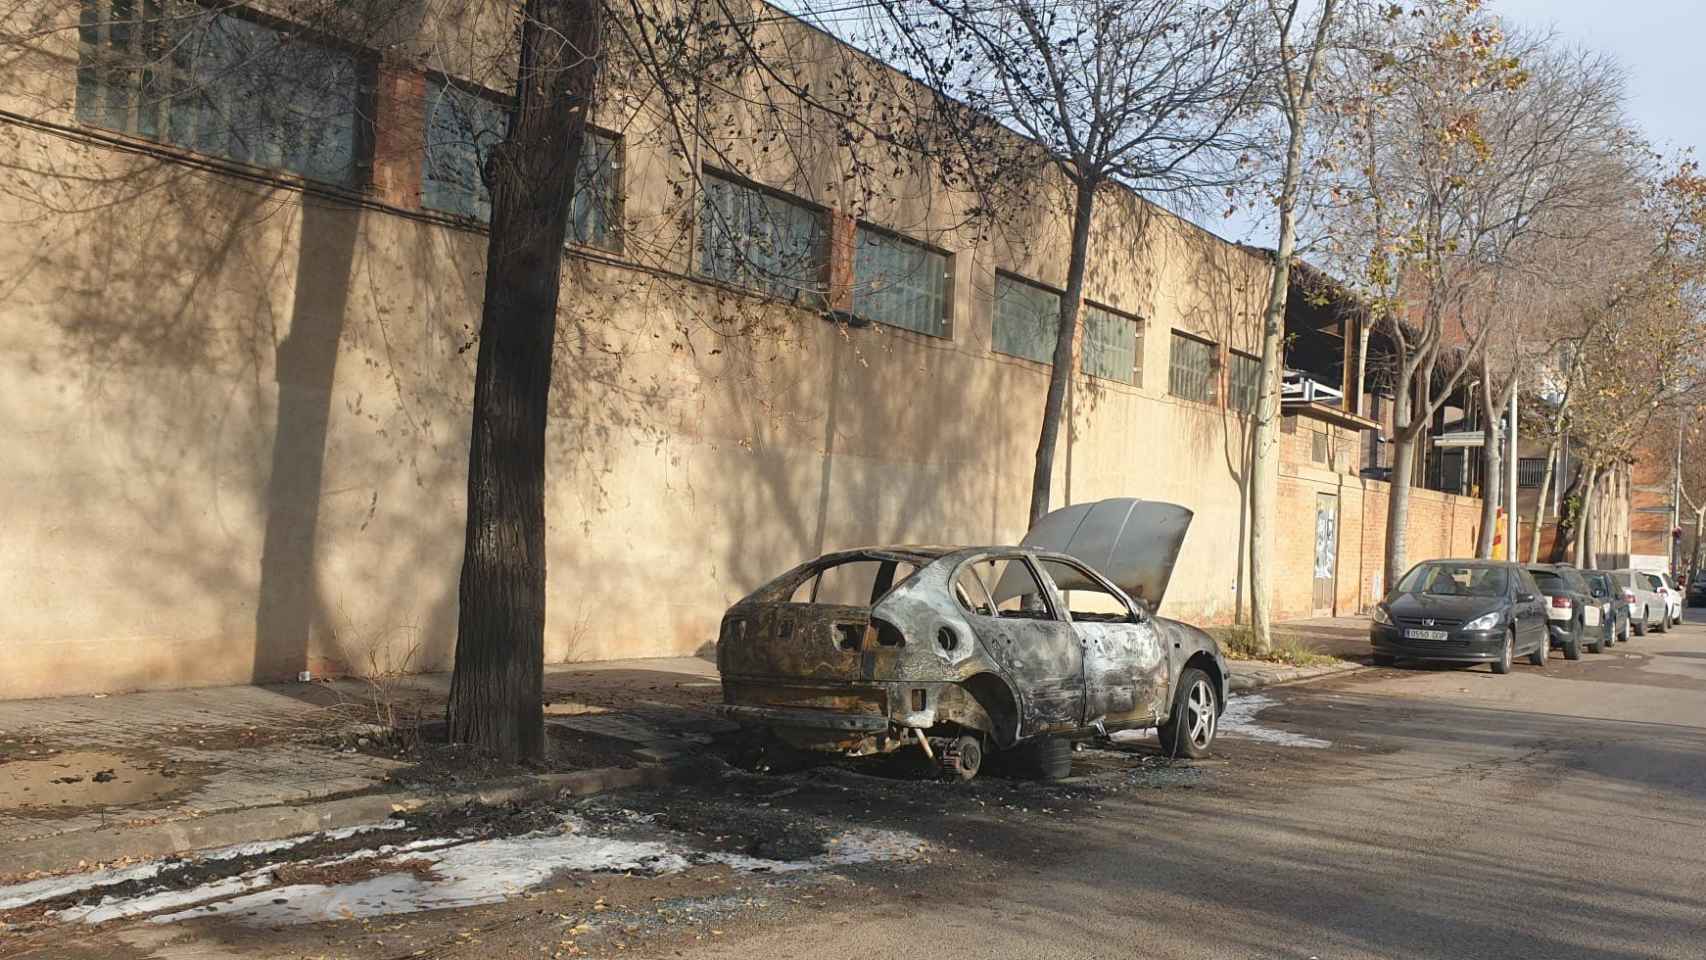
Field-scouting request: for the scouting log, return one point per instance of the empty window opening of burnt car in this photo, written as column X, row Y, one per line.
column 857, row 582
column 1087, row 599
column 1010, row 590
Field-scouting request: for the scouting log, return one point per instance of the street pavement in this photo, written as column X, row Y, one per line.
column 1413, row 812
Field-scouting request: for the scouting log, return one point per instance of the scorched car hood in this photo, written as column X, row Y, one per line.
column 1132, row 542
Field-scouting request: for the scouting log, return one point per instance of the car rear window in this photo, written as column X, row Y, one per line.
column 1549, row 582
column 853, row 583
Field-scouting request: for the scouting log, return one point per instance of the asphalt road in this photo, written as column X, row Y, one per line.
column 1556, row 813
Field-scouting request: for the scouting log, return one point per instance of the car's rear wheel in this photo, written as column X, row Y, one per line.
column 1189, row 730
column 965, row 757
column 1664, row 621
column 1045, row 758
column 1573, row 643
column 1508, row 654
column 1641, row 624
column 1537, row 656
column 1597, row 645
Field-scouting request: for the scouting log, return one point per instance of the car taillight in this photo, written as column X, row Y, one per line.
column 1562, row 602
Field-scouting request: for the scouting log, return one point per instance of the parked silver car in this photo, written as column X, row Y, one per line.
column 1648, row 606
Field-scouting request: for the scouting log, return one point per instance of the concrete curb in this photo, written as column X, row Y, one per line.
column 1273, row 675
column 62, row 853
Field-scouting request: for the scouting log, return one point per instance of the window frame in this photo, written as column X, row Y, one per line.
column 1131, row 611
column 1211, row 378
column 1235, row 391
column 995, row 315
column 945, row 313
column 1044, row 586
column 800, row 296
column 363, row 61
column 1137, row 324
column 507, row 104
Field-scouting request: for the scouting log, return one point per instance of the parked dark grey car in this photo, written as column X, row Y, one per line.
column 1611, row 606
column 962, row 651
column 1567, row 599
column 1466, row 611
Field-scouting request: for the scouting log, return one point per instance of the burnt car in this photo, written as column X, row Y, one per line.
column 1012, row 652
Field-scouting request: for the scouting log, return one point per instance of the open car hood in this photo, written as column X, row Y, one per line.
column 1132, row 542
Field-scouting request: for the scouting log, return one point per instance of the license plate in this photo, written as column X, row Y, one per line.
column 1425, row 634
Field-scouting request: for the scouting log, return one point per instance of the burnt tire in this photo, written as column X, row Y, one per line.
column 1044, row 758
column 1195, row 718
column 1507, row 656
column 966, row 758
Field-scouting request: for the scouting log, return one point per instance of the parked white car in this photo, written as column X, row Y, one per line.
column 1649, row 607
column 1674, row 598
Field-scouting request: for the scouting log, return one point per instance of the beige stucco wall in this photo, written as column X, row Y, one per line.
column 233, row 434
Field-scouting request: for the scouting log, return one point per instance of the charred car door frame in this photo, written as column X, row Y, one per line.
column 1127, row 675
column 1040, row 656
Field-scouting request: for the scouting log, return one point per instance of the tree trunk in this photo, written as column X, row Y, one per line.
column 1584, row 546
column 1263, row 472
column 1540, row 502
column 1699, row 530
column 496, row 691
column 1398, row 506
column 1060, row 376
column 1492, row 464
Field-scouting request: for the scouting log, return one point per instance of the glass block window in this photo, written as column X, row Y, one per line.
column 1190, row 372
column 218, row 84
column 760, row 241
column 900, row 283
column 1113, row 345
column 462, row 129
column 1244, row 382
column 1026, row 318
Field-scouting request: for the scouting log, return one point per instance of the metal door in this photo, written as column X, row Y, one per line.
column 1326, row 553
column 1125, row 667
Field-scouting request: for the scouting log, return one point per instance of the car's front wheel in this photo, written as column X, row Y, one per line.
column 1573, row 643
column 1641, row 624
column 1189, row 730
column 1508, row 654
column 1537, row 656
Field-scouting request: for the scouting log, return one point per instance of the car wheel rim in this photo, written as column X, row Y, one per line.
column 1200, row 714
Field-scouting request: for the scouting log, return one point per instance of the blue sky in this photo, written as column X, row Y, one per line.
column 1659, row 42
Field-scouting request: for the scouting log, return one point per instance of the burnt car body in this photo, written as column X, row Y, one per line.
column 963, row 650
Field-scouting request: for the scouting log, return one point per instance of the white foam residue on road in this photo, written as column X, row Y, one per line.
column 47, row 888
column 1239, row 720
column 490, row 871
column 118, row 908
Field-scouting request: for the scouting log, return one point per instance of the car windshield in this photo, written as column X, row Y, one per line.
column 1455, row 580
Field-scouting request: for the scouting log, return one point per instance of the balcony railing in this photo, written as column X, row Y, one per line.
column 1299, row 387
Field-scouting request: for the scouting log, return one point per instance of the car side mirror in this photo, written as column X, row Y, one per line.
column 1524, row 598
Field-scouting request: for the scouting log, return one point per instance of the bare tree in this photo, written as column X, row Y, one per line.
column 1297, row 78
column 1423, row 80
column 1147, row 94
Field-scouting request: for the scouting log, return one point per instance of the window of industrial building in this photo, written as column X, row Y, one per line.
column 1113, row 345
column 756, row 239
column 1245, row 382
column 463, row 127
column 216, row 83
column 1529, row 471
column 1320, row 446
column 1026, row 318
column 900, row 283
column 1190, row 370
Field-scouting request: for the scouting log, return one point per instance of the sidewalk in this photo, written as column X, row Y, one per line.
column 1345, row 639
column 102, row 777
column 168, row 762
